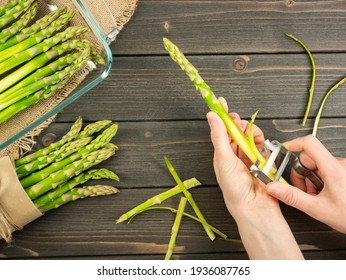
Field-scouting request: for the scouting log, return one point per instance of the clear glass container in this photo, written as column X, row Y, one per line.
column 102, row 32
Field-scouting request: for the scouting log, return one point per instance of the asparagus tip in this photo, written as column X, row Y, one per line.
column 121, row 219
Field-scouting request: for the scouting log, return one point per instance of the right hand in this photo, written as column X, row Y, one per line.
column 328, row 206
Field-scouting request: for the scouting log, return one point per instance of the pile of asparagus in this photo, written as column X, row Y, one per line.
column 53, row 176
column 37, row 57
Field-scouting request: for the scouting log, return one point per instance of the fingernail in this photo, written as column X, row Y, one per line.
column 274, row 190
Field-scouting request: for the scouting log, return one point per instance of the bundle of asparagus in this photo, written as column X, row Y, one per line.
column 37, row 58
column 54, row 175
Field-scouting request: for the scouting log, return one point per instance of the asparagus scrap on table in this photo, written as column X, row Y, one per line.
column 38, row 56
column 54, row 175
column 182, row 187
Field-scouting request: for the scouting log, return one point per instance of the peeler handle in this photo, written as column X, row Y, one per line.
column 312, row 176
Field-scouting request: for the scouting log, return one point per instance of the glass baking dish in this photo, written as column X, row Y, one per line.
column 8, row 131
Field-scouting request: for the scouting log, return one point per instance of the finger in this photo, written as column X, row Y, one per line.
column 314, row 149
column 223, row 103
column 219, row 137
column 292, row 196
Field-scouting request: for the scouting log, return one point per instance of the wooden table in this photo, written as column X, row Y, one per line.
column 242, row 52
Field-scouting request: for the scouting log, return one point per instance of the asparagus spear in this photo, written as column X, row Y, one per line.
column 8, row 6
column 17, row 26
column 67, row 172
column 42, row 72
column 41, row 60
column 41, row 162
column 41, row 83
column 25, row 55
column 70, row 135
column 99, row 142
column 55, row 26
column 211, row 100
column 78, row 193
column 13, row 13
column 157, row 199
column 175, row 228
column 40, row 24
column 93, row 128
column 93, row 174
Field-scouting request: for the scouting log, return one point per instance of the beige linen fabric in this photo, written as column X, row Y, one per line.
column 16, row 208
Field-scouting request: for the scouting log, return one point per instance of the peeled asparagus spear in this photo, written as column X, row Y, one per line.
column 93, row 174
column 78, row 193
column 213, row 103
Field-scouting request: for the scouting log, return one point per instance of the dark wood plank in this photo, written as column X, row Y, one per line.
column 143, row 145
column 87, row 227
column 154, row 88
column 234, row 26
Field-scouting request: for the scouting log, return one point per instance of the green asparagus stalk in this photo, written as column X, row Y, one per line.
column 31, row 30
column 70, row 135
column 313, row 79
column 41, row 60
column 218, row 232
column 21, row 23
column 8, row 6
column 157, row 199
column 79, row 193
column 27, row 54
column 13, row 13
column 42, row 72
column 233, row 130
column 93, row 128
column 175, row 228
column 41, row 162
column 55, row 26
column 93, row 174
column 40, row 84
column 99, row 142
column 190, row 198
column 67, row 172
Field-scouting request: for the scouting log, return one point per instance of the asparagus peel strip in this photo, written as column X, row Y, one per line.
column 313, row 78
column 320, row 110
column 175, row 228
column 189, row 197
column 218, row 232
column 157, row 199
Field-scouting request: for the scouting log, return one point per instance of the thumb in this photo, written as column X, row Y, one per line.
column 291, row 196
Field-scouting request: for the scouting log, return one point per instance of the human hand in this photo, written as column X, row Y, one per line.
column 328, row 206
column 246, row 199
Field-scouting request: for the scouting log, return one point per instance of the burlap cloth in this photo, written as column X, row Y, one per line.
column 111, row 16
column 16, row 208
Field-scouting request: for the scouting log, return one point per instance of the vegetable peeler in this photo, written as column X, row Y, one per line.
column 280, row 158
